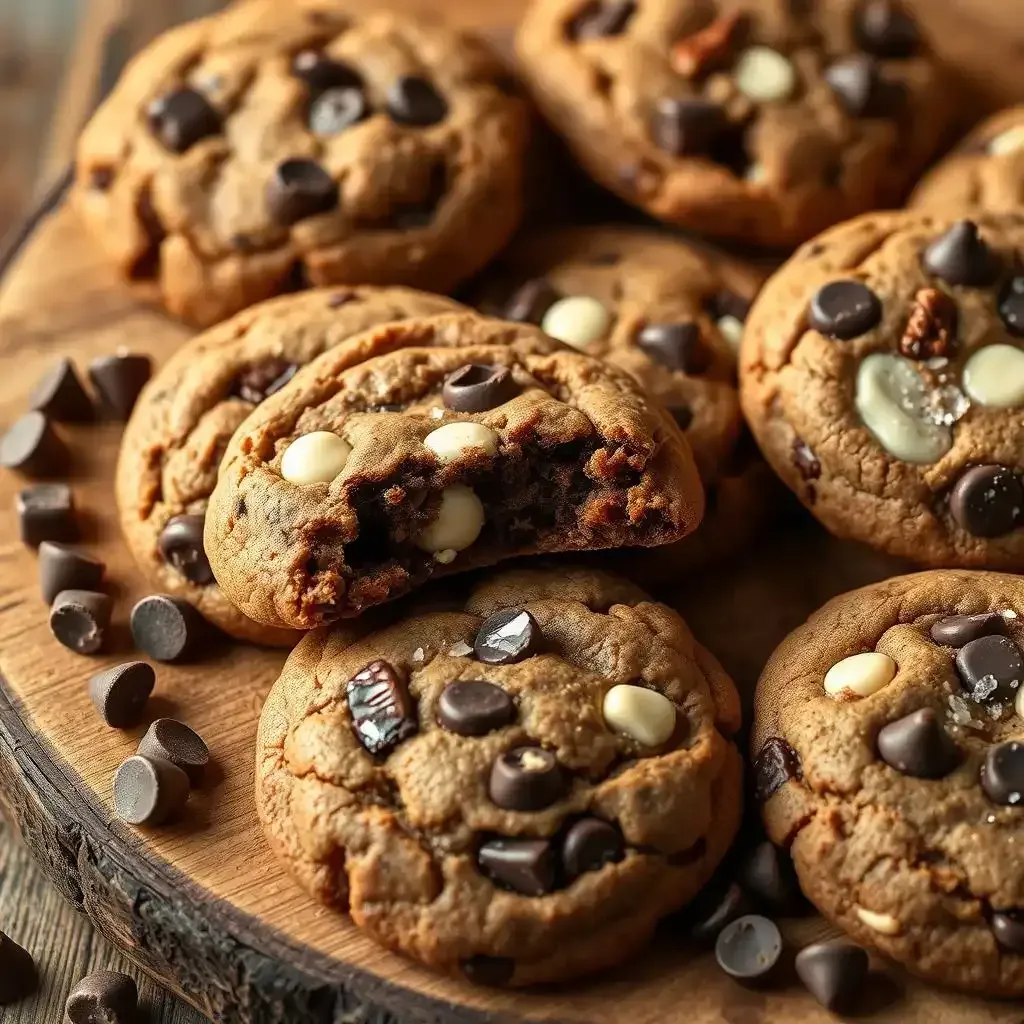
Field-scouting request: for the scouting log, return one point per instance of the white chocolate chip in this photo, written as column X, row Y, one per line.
column 418, row 654
column 453, row 440
column 643, row 714
column 460, row 649
column 315, row 458
column 764, row 75
column 578, row 320
column 459, row 520
column 893, row 402
column 731, row 328
column 885, row 924
column 756, row 173
column 994, row 376
column 859, row 676
column 1007, row 142
column 445, row 557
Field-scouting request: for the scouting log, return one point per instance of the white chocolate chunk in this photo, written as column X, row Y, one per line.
column 732, row 330
column 860, row 675
column 764, row 75
column 578, row 320
column 459, row 520
column 1018, row 704
column 453, row 440
column 893, row 403
column 994, row 376
column 643, row 714
column 1007, row 142
column 885, row 924
column 315, row 458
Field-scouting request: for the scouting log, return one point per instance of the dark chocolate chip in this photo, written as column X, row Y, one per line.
column 47, row 512
column 106, row 997
column 844, row 309
column 834, row 973
column 805, row 460
column 18, row 976
column 957, row 630
column 1011, row 306
column 337, row 109
column 600, row 18
column 320, row 72
column 415, row 101
column 713, row 909
column 149, row 791
column 683, row 415
column 674, row 346
column 101, row 178
column 883, row 28
column 258, row 382
column 526, row 866
column 383, row 712
column 477, row 388
column 506, row 637
column 527, row 779
column 776, row 764
column 961, row 257
column 165, row 627
column 66, row 568
column 589, row 845
column 300, row 189
column 918, row 745
column 181, row 546
column 474, row 707
column 79, row 619
column 119, row 694
column 1008, row 929
column 749, row 948
column 493, row 971
column 991, row 668
column 683, row 125
column 1002, row 774
column 530, row 301
column 767, row 876
column 987, row 501
column 173, row 741
column 860, row 89
column 59, row 395
column 32, row 447
column 181, row 118
column 118, row 379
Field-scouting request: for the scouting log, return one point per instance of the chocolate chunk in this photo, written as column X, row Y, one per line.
column 1002, row 774
column 337, row 109
column 477, row 388
column 66, row 568
column 589, row 845
column 844, row 309
column 527, row 779
column 1007, row 927
column 834, row 973
column 525, row 866
column 1011, row 306
column 530, row 302
column 320, row 72
column 173, row 741
column 749, row 948
column 18, row 976
column 768, row 877
column 957, row 630
column 79, row 619
column 60, row 396
column 149, row 791
column 474, row 707
column 600, row 18
column 181, row 118
column 805, row 460
column 918, row 745
column 855, row 82
column 300, row 189
column 414, row 101
column 494, row 971
column 106, row 997
column 119, row 694
column 674, row 346
column 683, row 415
column 383, row 712
column 181, row 546
column 118, row 379
column 713, row 909
column 961, row 257
column 987, row 501
column 258, row 382
column 166, row 628
column 883, row 28
column 775, row 765
column 683, row 125
column 991, row 668
column 32, row 447
column 506, row 637
column 47, row 512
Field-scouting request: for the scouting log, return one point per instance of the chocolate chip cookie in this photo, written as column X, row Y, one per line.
column 432, row 446
column 751, row 119
column 889, row 744
column 280, row 145
column 671, row 314
column 512, row 788
column 883, row 377
column 185, row 417
column 986, row 171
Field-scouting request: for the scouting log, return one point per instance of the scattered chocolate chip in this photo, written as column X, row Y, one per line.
column 506, row 637
column 961, row 257
column 834, row 973
column 600, row 18
column 337, row 109
column 59, row 395
column 258, row 382
column 173, row 741
column 713, row 909
column 674, row 346
column 525, row 866
column 805, row 460
column 166, row 628
column 767, row 876
column 589, row 845
column 775, row 765
column 527, row 779
column 1002, row 774
column 987, row 501
column 300, row 189
column 1011, row 306
column 383, row 712
column 66, row 568
column 321, row 72
column 494, row 971
column 47, row 512
column 883, row 28
column 106, row 997
column 101, row 178
column 118, row 379
column 477, row 388
column 918, row 745
column 957, row 630
column 474, row 707
column 844, row 310
column 18, row 976
column 119, row 694
column 149, row 791
column 530, row 301
column 32, row 447
column 181, row 546
column 683, row 415
column 1007, row 927
column 990, row 668
column 749, row 948
column 415, row 101
column 684, row 125
column 181, row 118
column 931, row 326
column 79, row 619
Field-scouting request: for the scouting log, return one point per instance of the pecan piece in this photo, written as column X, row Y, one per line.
column 931, row 328
column 708, row 48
